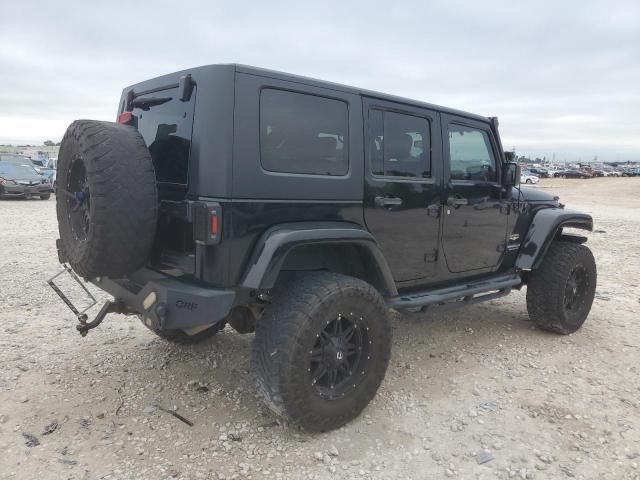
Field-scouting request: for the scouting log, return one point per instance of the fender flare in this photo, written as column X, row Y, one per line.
column 544, row 229
column 278, row 241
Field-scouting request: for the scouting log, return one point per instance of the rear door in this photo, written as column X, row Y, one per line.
column 402, row 185
column 476, row 210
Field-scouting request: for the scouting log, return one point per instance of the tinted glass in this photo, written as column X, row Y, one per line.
column 17, row 170
column 166, row 130
column 470, row 154
column 303, row 133
column 399, row 145
column 9, row 157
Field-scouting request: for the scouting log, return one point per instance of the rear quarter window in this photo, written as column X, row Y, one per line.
column 167, row 129
column 303, row 134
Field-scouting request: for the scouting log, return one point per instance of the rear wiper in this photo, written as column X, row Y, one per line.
column 147, row 103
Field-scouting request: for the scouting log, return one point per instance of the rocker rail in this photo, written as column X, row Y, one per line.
column 458, row 295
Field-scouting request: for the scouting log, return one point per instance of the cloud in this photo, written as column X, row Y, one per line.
column 562, row 76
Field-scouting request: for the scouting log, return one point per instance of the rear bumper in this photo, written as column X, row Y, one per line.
column 168, row 303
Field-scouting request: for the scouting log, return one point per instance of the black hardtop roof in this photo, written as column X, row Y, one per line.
column 196, row 71
column 346, row 88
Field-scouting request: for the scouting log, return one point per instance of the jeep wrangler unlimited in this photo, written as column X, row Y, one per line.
column 305, row 210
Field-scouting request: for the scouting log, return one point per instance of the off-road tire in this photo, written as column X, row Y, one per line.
column 547, row 288
column 301, row 307
column 45, row 196
column 182, row 338
column 115, row 235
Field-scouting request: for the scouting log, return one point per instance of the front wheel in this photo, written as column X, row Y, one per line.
column 45, row 196
column 321, row 349
column 529, row 180
column 560, row 292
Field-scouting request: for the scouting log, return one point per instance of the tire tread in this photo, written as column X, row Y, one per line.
column 546, row 287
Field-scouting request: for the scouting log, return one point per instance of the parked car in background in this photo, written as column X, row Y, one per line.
column 528, row 177
column 605, row 173
column 46, row 169
column 540, row 172
column 47, row 172
column 573, row 174
column 18, row 180
column 53, row 164
column 15, row 158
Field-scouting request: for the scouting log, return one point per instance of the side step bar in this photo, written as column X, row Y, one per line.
column 456, row 296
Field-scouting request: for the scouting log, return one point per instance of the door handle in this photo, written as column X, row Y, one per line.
column 387, row 201
column 457, row 201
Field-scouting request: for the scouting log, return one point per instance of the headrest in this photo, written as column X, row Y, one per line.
column 326, row 147
column 398, row 146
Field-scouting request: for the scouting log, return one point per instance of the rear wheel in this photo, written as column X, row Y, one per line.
column 321, row 349
column 560, row 292
column 45, row 196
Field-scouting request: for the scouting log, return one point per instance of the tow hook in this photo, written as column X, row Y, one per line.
column 108, row 307
column 84, row 326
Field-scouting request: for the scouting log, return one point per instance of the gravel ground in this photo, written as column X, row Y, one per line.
column 476, row 393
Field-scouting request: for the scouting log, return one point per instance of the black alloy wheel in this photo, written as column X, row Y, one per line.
column 79, row 200
column 339, row 357
column 576, row 289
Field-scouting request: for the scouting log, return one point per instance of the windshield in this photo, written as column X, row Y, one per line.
column 17, row 170
column 13, row 158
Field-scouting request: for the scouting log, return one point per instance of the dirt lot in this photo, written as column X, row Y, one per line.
column 463, row 387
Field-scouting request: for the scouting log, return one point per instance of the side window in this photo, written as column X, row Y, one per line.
column 470, row 154
column 399, row 144
column 302, row 133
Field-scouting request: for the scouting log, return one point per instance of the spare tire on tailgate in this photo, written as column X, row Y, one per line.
column 106, row 198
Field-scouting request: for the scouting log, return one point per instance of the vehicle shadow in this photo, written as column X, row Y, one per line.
column 217, row 371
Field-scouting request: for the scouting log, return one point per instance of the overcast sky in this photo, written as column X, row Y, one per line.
column 562, row 76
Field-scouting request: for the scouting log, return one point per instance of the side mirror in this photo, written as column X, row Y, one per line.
column 511, row 174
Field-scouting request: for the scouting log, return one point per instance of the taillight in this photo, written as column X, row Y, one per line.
column 214, row 224
column 7, row 181
column 125, row 118
column 207, row 222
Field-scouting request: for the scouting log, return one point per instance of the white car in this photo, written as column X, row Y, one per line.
column 528, row 177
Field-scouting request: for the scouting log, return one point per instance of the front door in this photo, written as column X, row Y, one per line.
column 476, row 207
column 402, row 185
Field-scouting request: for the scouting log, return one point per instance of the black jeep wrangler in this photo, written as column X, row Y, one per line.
column 306, row 210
